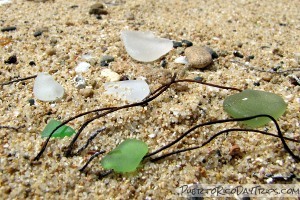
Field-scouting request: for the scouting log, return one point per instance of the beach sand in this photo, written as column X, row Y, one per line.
column 267, row 30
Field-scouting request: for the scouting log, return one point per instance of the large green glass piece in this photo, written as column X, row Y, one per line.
column 59, row 133
column 126, row 157
column 253, row 102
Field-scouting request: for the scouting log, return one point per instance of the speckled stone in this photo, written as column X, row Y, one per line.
column 198, row 57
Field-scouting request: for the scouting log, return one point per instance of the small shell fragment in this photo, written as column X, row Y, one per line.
column 82, row 67
column 181, row 60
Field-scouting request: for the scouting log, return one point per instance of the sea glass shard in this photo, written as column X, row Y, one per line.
column 59, row 133
column 144, row 46
column 130, row 90
column 253, row 102
column 126, row 157
column 46, row 88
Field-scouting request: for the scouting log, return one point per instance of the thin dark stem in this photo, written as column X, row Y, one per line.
column 105, row 173
column 18, row 80
column 90, row 160
column 11, row 127
column 215, row 136
column 208, row 84
column 228, row 120
column 93, row 135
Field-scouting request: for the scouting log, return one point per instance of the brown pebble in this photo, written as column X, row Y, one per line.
column 267, row 78
column 87, row 92
column 51, row 52
column 198, row 57
column 235, row 150
column 97, row 9
column 5, row 41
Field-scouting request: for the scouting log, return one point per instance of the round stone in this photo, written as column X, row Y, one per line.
column 198, row 57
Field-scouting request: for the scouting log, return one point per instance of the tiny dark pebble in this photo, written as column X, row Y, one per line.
column 11, row 60
column 177, row 44
column 97, row 9
column 163, row 63
column 256, row 84
column 213, row 54
column 198, row 78
column 37, row 33
column 124, row 78
column 32, row 63
column 282, row 24
column 238, row 54
column 98, row 17
column 74, row 6
column 31, row 102
column 187, row 43
column 8, row 28
column 248, row 58
column 105, row 60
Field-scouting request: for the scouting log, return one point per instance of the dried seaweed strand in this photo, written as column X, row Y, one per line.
column 18, row 80
column 282, row 138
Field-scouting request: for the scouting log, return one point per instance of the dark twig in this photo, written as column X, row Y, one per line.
column 18, row 80
column 90, row 160
column 216, row 135
column 282, row 138
column 11, row 127
column 93, row 135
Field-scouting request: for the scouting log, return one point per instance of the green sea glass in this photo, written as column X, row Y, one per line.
column 253, row 102
column 126, row 157
column 59, row 133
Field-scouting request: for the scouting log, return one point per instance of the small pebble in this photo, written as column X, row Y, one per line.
column 5, row 41
column 79, row 82
column 87, row 92
column 235, row 150
column 278, row 52
column 105, row 60
column 248, row 58
column 198, row 57
column 124, row 78
column 110, row 75
column 256, row 84
column 8, row 28
column 82, row 67
column 177, row 44
column 31, row 102
column 163, row 63
column 11, row 60
column 238, row 54
column 97, row 9
column 267, row 78
column 32, row 63
column 37, row 33
column 213, row 54
column 51, row 52
column 187, row 43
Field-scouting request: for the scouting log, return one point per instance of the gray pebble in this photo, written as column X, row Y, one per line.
column 198, row 57
column 105, row 60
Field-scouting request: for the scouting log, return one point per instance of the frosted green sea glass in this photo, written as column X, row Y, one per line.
column 59, row 133
column 254, row 102
column 126, row 157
